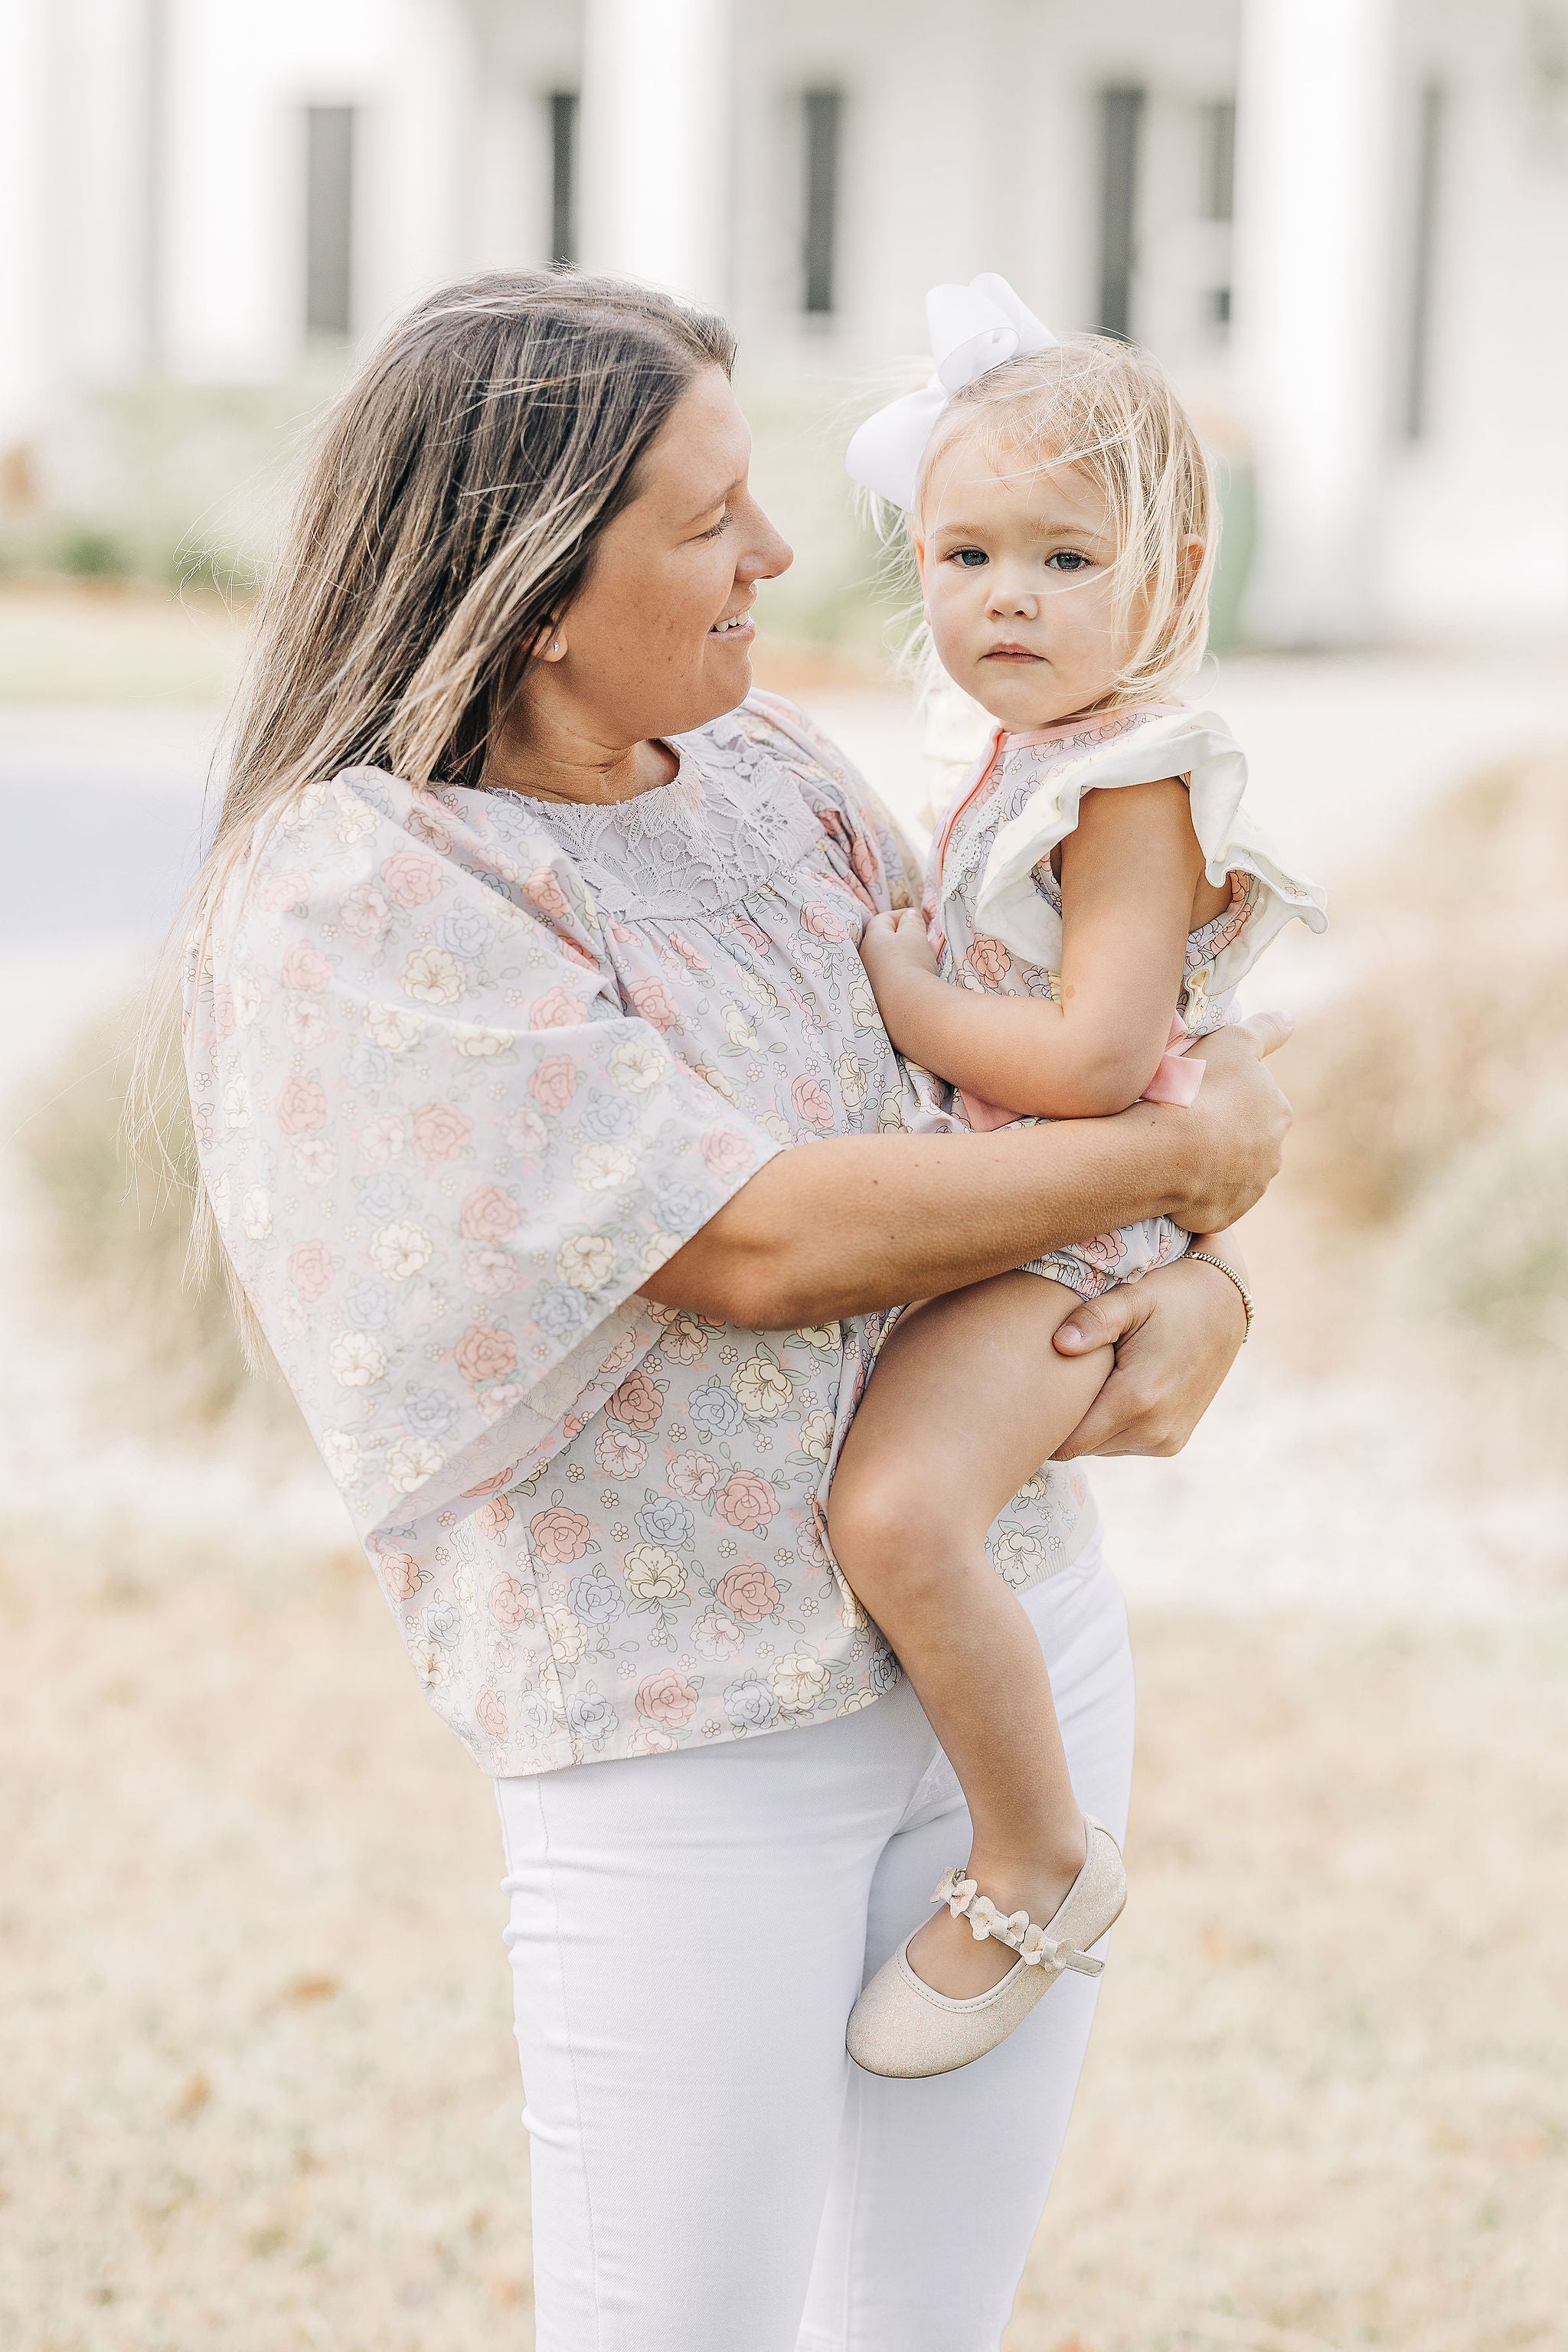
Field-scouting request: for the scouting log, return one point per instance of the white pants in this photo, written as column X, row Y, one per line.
column 688, row 1933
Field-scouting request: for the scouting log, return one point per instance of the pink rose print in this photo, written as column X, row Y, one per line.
column 652, row 1000
column 554, row 1083
column 305, row 968
column 364, row 912
column 748, row 1592
column 399, row 1575
column 1103, row 1250
column 560, row 1535
column 412, row 880
column 440, row 1132
column 990, row 961
column 863, row 859
column 747, row 1502
column 509, row 1600
column 491, row 1709
column 821, row 921
column 286, row 891
column 636, row 1401
column 491, row 1517
column 489, row 1485
column 556, row 1009
column 484, row 1353
column 755, row 937
column 667, row 1697
column 310, row 1269
column 688, row 954
column 578, row 953
column 542, row 890
column 222, row 1011
column 489, row 1214
column 725, row 1152
column 424, row 825
column 302, row 1107
column 811, row 1101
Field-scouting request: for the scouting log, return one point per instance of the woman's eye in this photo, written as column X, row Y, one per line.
column 1067, row 559
column 722, row 524
column 970, row 557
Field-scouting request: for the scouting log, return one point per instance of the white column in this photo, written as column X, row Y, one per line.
column 655, row 190
column 1316, row 120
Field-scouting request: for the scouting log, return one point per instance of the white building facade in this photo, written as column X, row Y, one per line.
column 1343, row 224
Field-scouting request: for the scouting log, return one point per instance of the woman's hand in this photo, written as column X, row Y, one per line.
column 1175, row 1335
column 1231, row 1138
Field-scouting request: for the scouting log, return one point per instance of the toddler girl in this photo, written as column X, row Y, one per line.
column 1095, row 894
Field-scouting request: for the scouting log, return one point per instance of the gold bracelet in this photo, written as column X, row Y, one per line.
column 1207, row 1257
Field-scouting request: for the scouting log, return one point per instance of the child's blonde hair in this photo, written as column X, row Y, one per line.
column 1107, row 409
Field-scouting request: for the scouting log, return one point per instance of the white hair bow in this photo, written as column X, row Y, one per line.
column 973, row 329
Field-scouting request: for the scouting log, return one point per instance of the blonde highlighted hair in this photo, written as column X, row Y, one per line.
column 1107, row 409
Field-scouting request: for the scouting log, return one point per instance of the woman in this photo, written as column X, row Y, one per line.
column 526, row 965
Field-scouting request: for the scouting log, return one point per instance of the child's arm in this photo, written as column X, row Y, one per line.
column 1130, row 872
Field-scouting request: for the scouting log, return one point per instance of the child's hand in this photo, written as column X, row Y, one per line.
column 893, row 945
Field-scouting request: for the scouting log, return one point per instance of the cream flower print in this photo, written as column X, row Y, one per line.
column 255, row 1216
column 236, row 1106
column 566, row 1638
column 357, row 1360
column 315, row 1161
column 863, row 1005
column 401, row 1249
column 354, row 819
column 737, row 1028
column 716, row 1636
column 823, row 1336
column 762, row 1388
column 431, row 976
column 682, row 1341
column 655, row 1574
column 816, row 1436
column 491, row 1272
column 800, row 1678
column 586, row 1261
column 762, row 991
column 695, row 1476
column 305, row 1021
column 391, row 1029
column 301, row 811
column 657, row 1249
column 409, row 1464
column 603, row 1166
column 246, row 992
column 779, row 1128
column 1019, row 1555
column 636, row 1064
column 384, row 1141
column 478, row 1044
column 341, row 1452
column 850, row 1072
column 432, row 1662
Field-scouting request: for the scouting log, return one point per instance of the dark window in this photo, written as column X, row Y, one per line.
column 1218, row 193
column 1428, row 177
column 564, row 178
column 1122, row 117
column 328, row 218
column 824, row 117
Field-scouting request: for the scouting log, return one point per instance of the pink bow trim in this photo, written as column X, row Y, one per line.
column 1176, row 1080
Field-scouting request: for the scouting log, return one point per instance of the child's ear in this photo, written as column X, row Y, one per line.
column 1192, row 560
column 919, row 548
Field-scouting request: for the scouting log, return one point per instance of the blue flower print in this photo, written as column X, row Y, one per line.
column 367, row 1305
column 750, row 1705
column 715, row 1412
column 367, row 1066
column 608, row 1115
column 684, row 1207
column 533, row 1714
column 383, row 1196
column 561, row 1311
column 884, row 1671
column 465, row 930
column 590, row 1718
column 443, row 1624
column 428, row 1413
column 595, row 1600
column 666, row 1521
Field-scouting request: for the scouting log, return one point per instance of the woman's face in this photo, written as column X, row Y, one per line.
column 658, row 638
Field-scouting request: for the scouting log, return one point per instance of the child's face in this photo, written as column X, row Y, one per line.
column 1017, row 570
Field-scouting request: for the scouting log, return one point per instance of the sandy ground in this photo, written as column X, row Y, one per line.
column 257, row 2086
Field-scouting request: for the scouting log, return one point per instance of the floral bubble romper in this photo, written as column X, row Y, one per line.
column 995, row 909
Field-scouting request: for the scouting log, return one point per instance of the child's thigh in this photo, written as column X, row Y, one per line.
column 969, row 1397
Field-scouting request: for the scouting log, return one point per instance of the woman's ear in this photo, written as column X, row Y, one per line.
column 550, row 645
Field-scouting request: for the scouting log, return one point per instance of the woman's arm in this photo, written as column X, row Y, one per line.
column 866, row 1222
column 1130, row 872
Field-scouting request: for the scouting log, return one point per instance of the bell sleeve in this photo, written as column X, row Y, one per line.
column 442, row 1153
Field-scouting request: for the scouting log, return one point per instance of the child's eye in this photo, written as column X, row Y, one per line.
column 1067, row 559
column 970, row 557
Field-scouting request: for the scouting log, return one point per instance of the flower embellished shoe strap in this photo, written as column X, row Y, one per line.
column 1034, row 1947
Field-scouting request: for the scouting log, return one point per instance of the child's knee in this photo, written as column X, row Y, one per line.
column 877, row 1521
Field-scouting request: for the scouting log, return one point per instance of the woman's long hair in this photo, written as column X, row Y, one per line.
column 449, row 515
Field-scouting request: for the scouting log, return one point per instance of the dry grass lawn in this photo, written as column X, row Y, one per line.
column 256, row 2083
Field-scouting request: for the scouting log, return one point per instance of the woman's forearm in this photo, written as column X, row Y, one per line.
column 865, row 1221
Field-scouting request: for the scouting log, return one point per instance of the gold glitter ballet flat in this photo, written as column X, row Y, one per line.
column 900, row 2026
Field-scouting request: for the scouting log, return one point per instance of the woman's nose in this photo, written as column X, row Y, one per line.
column 769, row 554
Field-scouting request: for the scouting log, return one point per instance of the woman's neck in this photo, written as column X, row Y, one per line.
column 549, row 762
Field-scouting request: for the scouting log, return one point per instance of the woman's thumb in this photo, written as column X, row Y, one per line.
column 1095, row 1323
column 1269, row 1030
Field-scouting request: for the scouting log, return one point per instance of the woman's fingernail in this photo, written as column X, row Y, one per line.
column 1070, row 1335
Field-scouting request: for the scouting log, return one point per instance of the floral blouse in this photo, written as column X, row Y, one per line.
column 466, row 1069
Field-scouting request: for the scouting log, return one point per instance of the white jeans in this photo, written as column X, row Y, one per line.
column 688, row 1933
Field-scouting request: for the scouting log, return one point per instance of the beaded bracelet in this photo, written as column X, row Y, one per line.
column 1207, row 1257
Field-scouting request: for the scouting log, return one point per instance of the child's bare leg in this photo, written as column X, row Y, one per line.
column 967, row 1399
